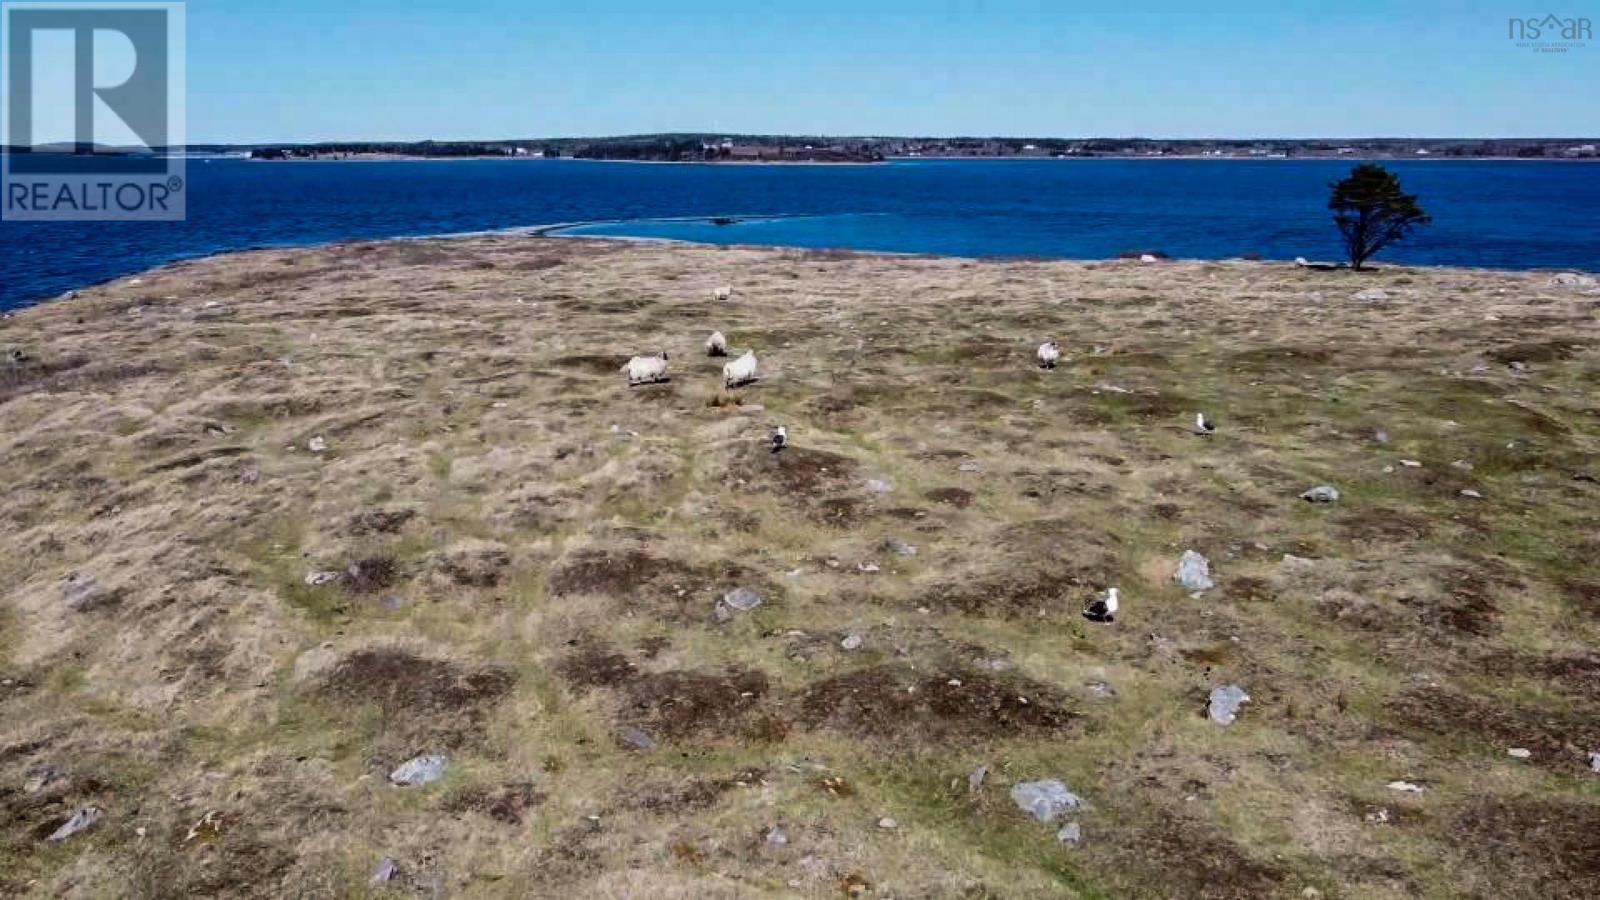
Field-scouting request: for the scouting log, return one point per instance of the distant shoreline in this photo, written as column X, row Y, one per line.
column 894, row 159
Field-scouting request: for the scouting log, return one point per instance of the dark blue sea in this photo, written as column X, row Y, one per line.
column 1520, row 215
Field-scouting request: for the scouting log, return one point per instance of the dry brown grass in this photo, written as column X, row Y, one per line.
column 530, row 554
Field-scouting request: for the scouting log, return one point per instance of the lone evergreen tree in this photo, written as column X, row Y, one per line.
column 1371, row 211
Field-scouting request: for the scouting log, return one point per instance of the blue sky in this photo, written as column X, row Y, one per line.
column 300, row 70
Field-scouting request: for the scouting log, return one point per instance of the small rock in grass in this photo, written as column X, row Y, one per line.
column 899, row 547
column 41, row 777
column 318, row 579
column 1194, row 572
column 734, row 602
column 888, row 823
column 852, row 642
column 80, row 820
column 877, row 486
column 1045, row 800
column 1519, row 752
column 1100, row 690
column 1371, row 295
column 1406, row 787
column 1322, row 493
column 1411, row 463
column 1471, row 494
column 82, row 591
column 1225, row 702
column 635, row 738
column 776, row 837
column 969, row 466
column 420, row 770
column 385, row 872
column 976, row 776
column 317, row 445
column 1070, row 834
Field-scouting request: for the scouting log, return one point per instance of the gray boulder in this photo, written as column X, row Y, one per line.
column 80, row 821
column 1225, row 703
column 1045, row 800
column 421, row 770
column 738, row 600
column 385, row 872
column 636, row 738
column 1194, row 572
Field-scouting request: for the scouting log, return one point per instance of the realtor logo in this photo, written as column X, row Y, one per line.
column 92, row 111
column 1550, row 33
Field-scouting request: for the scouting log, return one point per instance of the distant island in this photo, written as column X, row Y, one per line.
column 777, row 148
column 752, row 148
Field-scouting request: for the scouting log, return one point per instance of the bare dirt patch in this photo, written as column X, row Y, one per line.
column 679, row 705
column 369, row 575
column 1382, row 525
column 618, row 572
column 509, row 804
column 823, row 481
column 1192, row 859
column 595, row 665
column 402, row 682
column 1557, row 739
column 893, row 701
column 1533, row 847
column 474, row 563
column 960, row 498
column 387, row 520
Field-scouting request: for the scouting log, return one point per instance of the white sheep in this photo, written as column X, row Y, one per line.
column 740, row 371
column 1049, row 354
column 724, row 292
column 716, row 345
column 646, row 369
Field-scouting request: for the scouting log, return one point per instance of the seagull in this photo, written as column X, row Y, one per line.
column 1049, row 354
column 780, row 438
column 1203, row 425
column 1103, row 609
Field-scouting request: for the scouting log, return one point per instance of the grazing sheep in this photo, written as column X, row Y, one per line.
column 646, row 369
column 740, row 371
column 722, row 293
column 716, row 345
column 1049, row 354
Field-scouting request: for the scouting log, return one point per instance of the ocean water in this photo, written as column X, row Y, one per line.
column 1498, row 214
